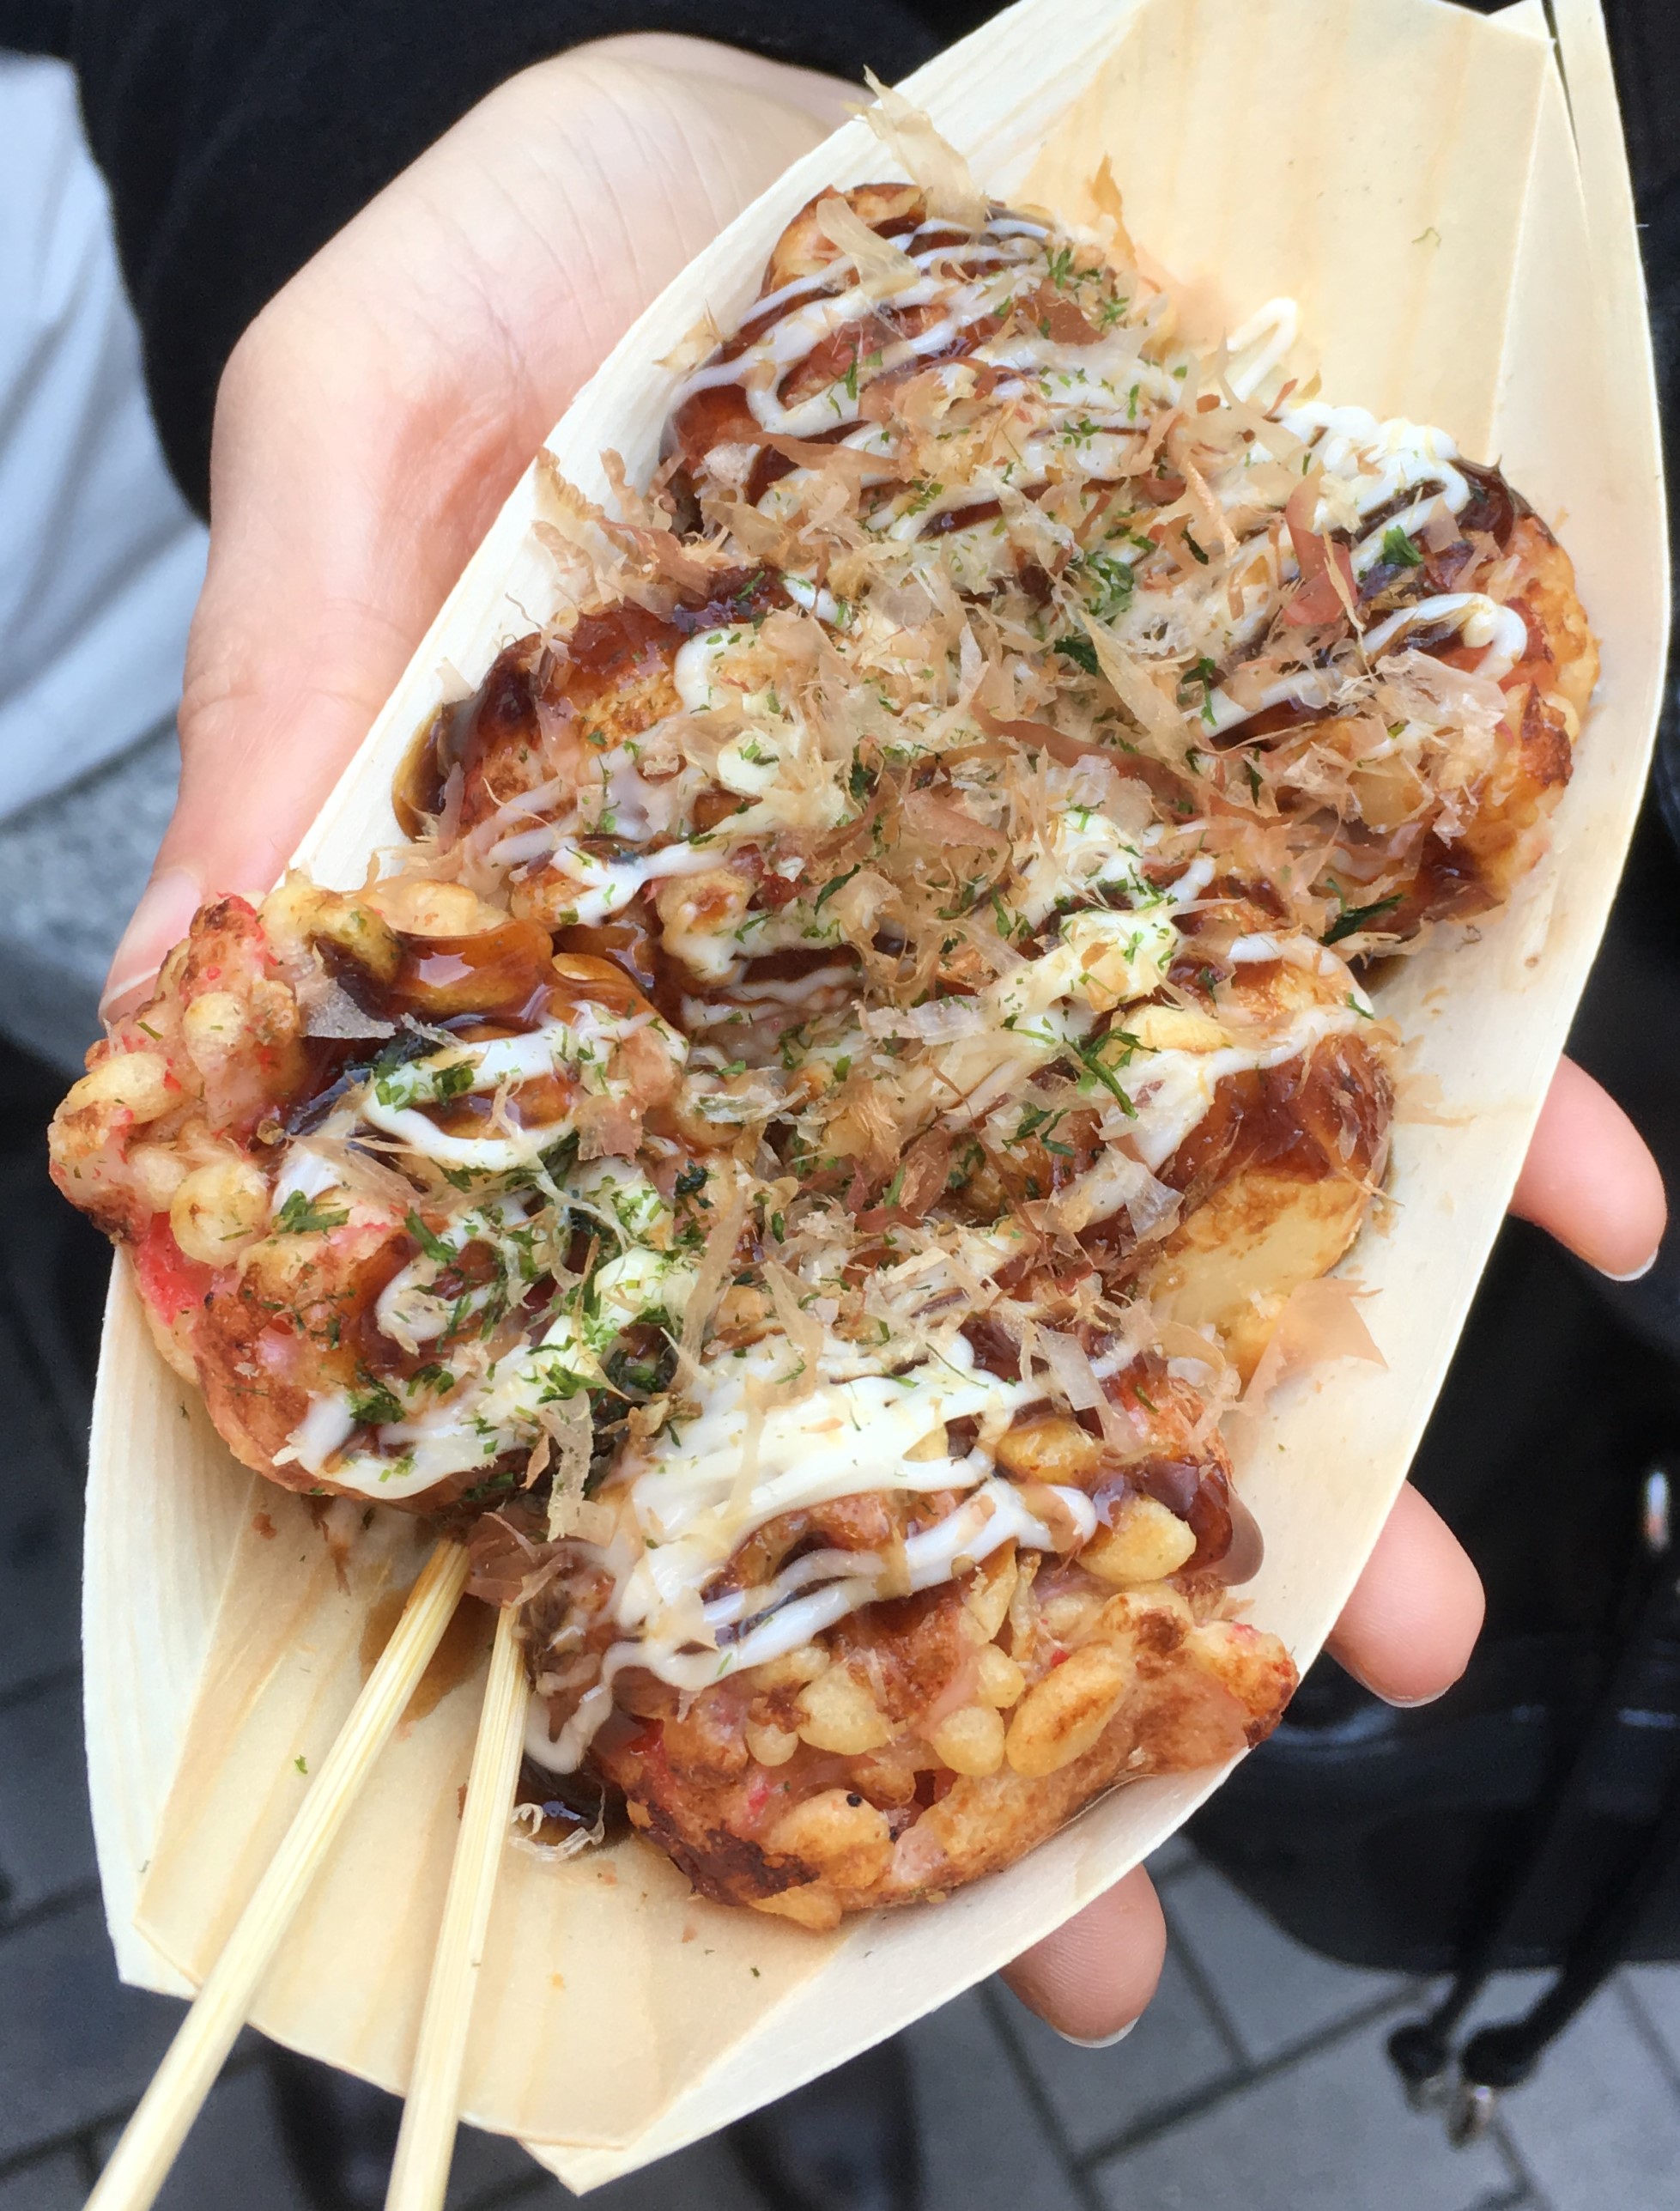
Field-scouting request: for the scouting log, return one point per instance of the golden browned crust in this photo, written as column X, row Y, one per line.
column 1279, row 1177
column 1411, row 858
column 173, row 1141
column 922, row 1740
column 1116, row 1688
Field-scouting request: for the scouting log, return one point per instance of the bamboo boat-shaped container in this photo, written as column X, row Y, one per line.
column 1446, row 197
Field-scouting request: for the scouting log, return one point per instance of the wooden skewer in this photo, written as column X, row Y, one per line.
column 426, row 2144
column 149, row 2142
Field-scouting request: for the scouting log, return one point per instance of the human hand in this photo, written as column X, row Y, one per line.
column 369, row 425
column 1411, row 1623
column 376, row 413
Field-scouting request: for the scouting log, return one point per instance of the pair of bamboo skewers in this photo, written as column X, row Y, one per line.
column 420, row 2175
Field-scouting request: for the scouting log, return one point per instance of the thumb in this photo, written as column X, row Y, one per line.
column 376, row 413
column 261, row 745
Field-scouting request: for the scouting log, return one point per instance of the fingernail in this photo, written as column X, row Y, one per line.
column 1387, row 1696
column 1635, row 1274
column 161, row 919
column 1098, row 2041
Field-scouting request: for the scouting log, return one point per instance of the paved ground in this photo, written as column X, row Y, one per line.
column 1256, row 2083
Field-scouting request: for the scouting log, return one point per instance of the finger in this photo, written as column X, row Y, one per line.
column 1092, row 1979
column 1589, row 1179
column 1407, row 1633
column 1409, row 1628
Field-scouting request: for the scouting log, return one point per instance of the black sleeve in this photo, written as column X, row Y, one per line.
column 237, row 136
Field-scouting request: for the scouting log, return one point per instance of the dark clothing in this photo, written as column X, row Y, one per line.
column 239, row 135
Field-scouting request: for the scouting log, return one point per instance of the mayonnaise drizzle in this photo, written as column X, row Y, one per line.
column 576, row 1049
column 755, row 1437
column 688, row 1510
